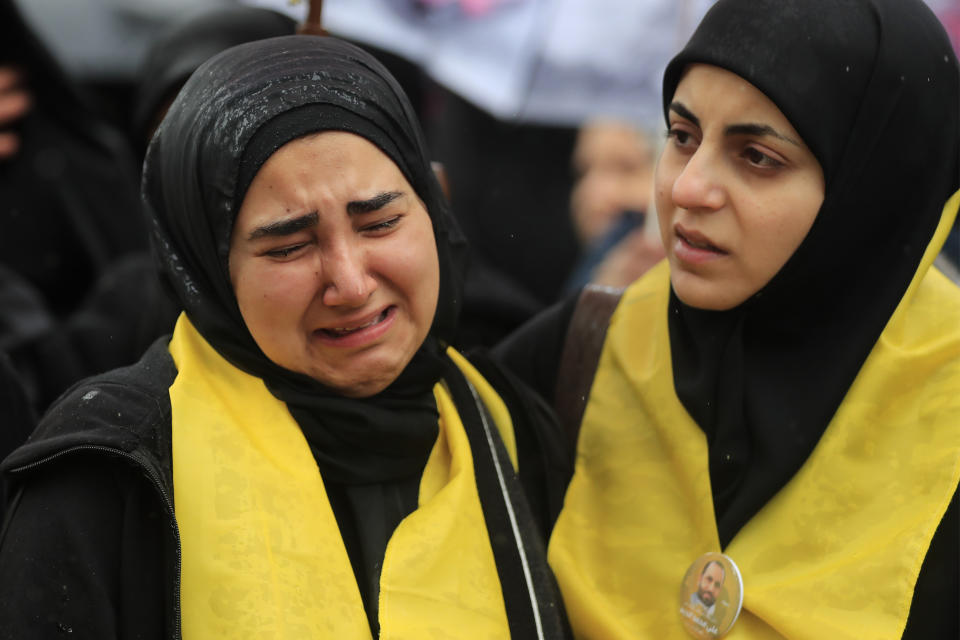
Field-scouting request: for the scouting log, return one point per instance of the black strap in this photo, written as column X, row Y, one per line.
column 581, row 354
column 532, row 601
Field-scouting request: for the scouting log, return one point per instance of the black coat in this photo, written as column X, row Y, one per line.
column 91, row 546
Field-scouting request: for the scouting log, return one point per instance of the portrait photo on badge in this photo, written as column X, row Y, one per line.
column 711, row 596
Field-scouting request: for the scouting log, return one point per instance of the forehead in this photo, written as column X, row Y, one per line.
column 714, row 570
column 317, row 172
column 713, row 93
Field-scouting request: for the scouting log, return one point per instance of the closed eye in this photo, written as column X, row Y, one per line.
column 382, row 226
column 285, row 252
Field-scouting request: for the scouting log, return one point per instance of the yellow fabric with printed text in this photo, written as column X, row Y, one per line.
column 837, row 551
column 262, row 555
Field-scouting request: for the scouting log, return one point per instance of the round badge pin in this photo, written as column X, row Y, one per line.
column 711, row 596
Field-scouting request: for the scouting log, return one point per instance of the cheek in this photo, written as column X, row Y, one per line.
column 432, row 293
column 663, row 201
column 421, row 276
column 778, row 236
column 664, row 175
column 407, row 264
column 426, row 284
column 277, row 295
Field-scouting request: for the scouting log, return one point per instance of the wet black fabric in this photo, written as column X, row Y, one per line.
column 236, row 110
column 872, row 88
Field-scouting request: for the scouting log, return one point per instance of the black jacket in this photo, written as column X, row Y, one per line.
column 91, row 547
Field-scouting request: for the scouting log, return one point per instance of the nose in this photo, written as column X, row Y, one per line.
column 346, row 279
column 699, row 185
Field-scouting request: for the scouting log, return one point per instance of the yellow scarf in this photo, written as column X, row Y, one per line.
column 262, row 555
column 835, row 554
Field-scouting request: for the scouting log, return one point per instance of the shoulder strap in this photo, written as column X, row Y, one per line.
column 530, row 595
column 581, row 353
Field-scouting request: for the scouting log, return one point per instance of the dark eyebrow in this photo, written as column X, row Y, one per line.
column 378, row 201
column 758, row 130
column 285, row 227
column 683, row 112
column 734, row 129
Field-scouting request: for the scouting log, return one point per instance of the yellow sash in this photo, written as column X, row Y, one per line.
column 262, row 555
column 835, row 554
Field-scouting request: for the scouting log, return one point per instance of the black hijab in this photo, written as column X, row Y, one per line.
column 872, row 88
column 234, row 112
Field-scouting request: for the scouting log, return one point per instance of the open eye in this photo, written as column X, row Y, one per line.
column 759, row 159
column 683, row 138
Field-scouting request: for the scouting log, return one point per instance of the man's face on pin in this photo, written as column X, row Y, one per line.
column 711, row 579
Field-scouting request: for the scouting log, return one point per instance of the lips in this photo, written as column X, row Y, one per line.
column 696, row 240
column 351, row 328
column 358, row 332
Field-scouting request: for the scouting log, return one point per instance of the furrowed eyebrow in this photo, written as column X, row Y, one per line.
column 749, row 129
column 682, row 111
column 758, row 130
column 378, row 201
column 285, row 227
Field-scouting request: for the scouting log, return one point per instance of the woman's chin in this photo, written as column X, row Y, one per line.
column 361, row 375
column 707, row 294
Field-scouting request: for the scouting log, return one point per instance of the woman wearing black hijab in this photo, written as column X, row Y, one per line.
column 785, row 388
column 296, row 218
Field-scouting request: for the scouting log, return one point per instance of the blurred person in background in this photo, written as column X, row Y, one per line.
column 73, row 253
column 69, row 193
column 611, row 205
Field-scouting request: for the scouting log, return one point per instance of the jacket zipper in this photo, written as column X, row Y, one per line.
column 155, row 480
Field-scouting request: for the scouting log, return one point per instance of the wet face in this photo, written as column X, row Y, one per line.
column 710, row 582
column 334, row 263
column 737, row 190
